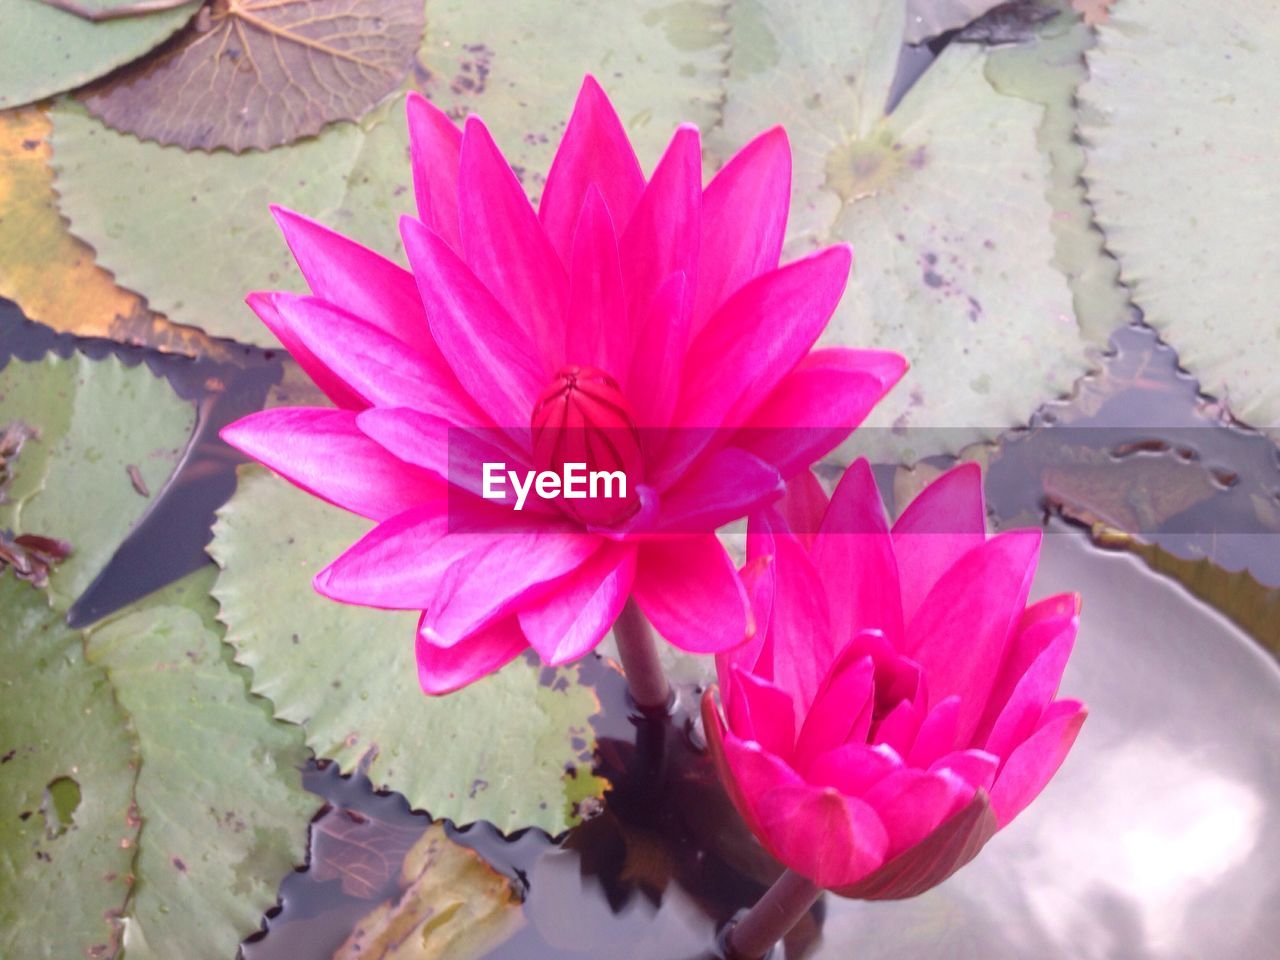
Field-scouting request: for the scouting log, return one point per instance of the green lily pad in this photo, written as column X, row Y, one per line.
column 109, row 436
column 946, row 202
column 67, row 767
column 508, row 749
column 192, row 232
column 44, row 50
column 219, row 790
column 1179, row 120
column 662, row 63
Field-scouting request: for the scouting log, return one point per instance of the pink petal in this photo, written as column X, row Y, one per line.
column 900, row 726
column 594, row 151
column 722, row 488
column 961, row 631
column 757, row 582
column 1033, row 694
column 491, row 353
column 377, row 366
column 1042, row 623
column 854, row 556
column 658, row 359
column 580, row 607
column 332, row 385
column 803, row 507
column 435, row 143
column 976, row 767
column 751, row 343
column 323, row 452
column 818, row 405
column 662, row 235
column 841, row 711
column 598, row 331
column 446, row 669
column 744, row 218
column 1032, row 765
column 760, row 711
column 356, row 279
column 853, row 768
column 453, row 453
column 937, row 735
column 799, row 646
column 943, row 523
column 688, row 588
column 506, row 246
column 911, row 803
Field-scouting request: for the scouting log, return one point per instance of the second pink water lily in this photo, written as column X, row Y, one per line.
column 647, row 320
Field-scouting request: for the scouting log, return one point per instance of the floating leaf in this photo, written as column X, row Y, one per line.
column 1178, row 116
column 50, row 274
column 661, row 61
column 928, row 18
column 219, row 788
column 497, row 750
column 101, row 427
column 44, row 50
column 192, row 231
column 944, row 201
column 362, row 852
column 67, row 766
column 255, row 74
column 453, row 907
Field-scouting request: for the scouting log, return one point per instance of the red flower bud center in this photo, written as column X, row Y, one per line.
column 582, row 417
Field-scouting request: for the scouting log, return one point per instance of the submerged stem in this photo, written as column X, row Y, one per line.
column 638, row 650
column 781, row 908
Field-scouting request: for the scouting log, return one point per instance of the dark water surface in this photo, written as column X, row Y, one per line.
column 1157, row 842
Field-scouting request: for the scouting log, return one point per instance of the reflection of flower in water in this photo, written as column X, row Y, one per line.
column 1178, row 830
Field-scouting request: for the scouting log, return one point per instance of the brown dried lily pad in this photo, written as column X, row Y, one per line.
column 256, row 74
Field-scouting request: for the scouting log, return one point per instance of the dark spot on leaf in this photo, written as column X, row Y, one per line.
column 932, row 279
column 178, row 864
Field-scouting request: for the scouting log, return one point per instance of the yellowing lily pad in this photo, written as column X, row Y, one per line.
column 511, row 749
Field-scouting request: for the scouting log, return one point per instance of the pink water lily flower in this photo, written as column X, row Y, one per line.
column 645, row 325
column 896, row 707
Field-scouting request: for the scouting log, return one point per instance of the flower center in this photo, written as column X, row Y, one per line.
column 583, row 418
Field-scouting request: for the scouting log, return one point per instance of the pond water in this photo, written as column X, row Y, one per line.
column 1158, row 840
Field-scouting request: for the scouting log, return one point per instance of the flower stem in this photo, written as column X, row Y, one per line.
column 781, row 908
column 638, row 650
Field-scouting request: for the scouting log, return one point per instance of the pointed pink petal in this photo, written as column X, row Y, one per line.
column 453, row 453
column 799, row 644
column 662, row 235
column 976, row 767
column 1032, row 765
column 841, row 710
column 492, row 355
column 900, row 726
column 762, row 712
column 943, row 523
column 356, row 279
column 757, row 582
column 853, row 768
column 803, row 507
column 446, row 669
column 722, row 488
column 937, row 735
column 435, row 143
column 687, row 587
column 963, row 627
column 1033, row 694
column 818, row 405
column 323, row 452
column 911, row 803
column 598, row 332
column 1042, row 623
column 744, row 218
column 580, row 607
column 505, row 244
column 854, row 556
column 377, row 366
column 595, row 152
column 332, row 385
column 750, row 344
column 717, row 747
column 658, row 361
